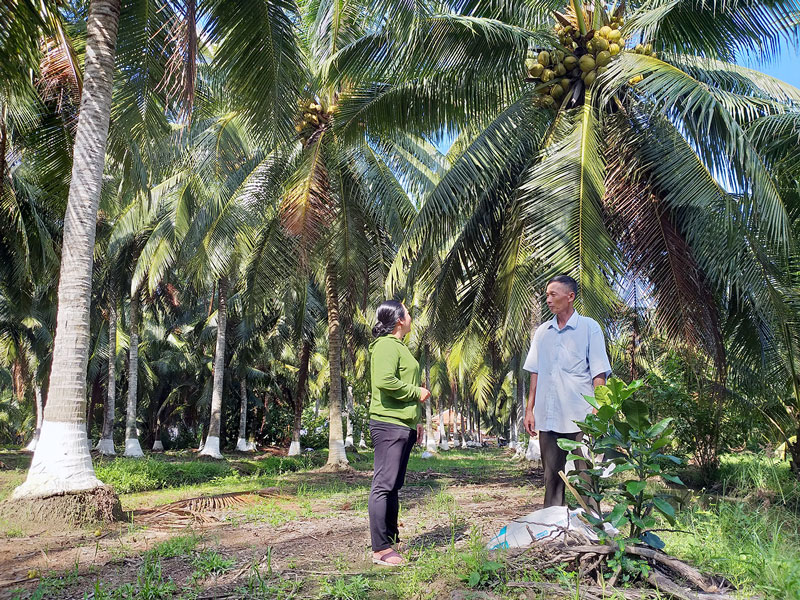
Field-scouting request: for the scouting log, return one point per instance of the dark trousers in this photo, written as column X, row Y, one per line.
column 554, row 459
column 393, row 444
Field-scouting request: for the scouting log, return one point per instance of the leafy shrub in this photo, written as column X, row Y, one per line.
column 623, row 427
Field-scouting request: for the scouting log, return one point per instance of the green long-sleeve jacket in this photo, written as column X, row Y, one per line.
column 395, row 383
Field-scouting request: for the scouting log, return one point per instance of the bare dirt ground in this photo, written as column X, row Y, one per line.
column 300, row 531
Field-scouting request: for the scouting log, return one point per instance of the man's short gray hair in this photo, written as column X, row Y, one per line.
column 567, row 281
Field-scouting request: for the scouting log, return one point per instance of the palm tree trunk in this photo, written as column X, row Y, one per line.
column 132, row 446
column 336, row 453
column 106, row 443
column 299, row 397
column 348, row 441
column 37, row 392
column 241, row 443
column 62, row 462
column 211, row 447
column 454, row 406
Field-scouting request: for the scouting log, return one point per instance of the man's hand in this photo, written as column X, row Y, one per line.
column 424, row 394
column 529, row 422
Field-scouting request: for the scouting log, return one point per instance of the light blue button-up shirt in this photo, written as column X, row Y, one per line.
column 566, row 360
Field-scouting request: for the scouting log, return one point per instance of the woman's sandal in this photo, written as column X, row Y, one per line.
column 382, row 560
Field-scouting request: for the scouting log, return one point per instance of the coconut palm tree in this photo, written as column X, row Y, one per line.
column 61, row 462
column 602, row 156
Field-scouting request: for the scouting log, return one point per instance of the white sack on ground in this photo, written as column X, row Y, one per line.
column 547, row 523
column 534, row 451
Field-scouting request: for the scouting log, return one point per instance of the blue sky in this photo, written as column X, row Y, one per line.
column 786, row 67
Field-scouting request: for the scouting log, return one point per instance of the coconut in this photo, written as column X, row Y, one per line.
column 600, row 44
column 536, row 70
column 561, row 70
column 570, row 62
column 654, row 55
column 565, row 83
column 648, row 48
column 605, row 31
column 529, row 62
column 547, row 75
column 549, row 101
column 544, row 58
column 638, row 49
column 601, row 70
column 590, row 46
column 603, row 58
column 614, row 35
column 559, row 55
column 586, row 63
column 590, row 77
column 557, row 92
column 613, row 49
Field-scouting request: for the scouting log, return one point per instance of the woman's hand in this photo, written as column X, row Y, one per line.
column 424, row 394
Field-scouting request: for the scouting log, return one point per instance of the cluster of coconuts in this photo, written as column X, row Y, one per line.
column 314, row 116
column 582, row 57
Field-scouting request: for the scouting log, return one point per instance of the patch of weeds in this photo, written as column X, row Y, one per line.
column 14, row 532
column 269, row 512
column 150, row 583
column 756, row 547
column 484, row 574
column 345, row 588
column 262, row 585
column 129, row 475
column 177, row 546
column 210, row 562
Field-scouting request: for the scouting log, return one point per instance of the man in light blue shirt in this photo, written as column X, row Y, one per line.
column 567, row 360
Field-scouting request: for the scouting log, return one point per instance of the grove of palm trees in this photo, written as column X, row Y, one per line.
column 203, row 202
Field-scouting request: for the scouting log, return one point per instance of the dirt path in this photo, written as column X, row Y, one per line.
column 297, row 532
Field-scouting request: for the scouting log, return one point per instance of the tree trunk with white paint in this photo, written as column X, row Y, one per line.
column 62, row 462
column 444, row 444
column 132, row 446
column 336, row 453
column 430, row 440
column 348, row 440
column 37, row 393
column 106, row 443
column 454, row 404
column 299, row 397
column 211, row 447
column 241, row 443
column 362, row 442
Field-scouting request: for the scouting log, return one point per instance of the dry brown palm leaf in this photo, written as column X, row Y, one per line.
column 307, row 204
column 657, row 252
column 194, row 509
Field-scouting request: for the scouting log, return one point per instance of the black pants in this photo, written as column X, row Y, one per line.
column 554, row 459
column 393, row 444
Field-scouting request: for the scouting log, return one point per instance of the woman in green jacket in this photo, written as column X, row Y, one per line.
column 394, row 414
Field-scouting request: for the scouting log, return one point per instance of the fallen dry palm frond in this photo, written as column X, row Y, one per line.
column 183, row 512
column 669, row 576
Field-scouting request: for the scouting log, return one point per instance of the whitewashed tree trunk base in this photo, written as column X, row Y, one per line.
column 106, row 447
column 158, row 446
column 211, row 447
column 362, row 445
column 443, row 443
column 295, row 449
column 336, row 453
column 133, row 449
column 62, row 463
column 430, row 445
column 348, row 442
column 242, row 445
